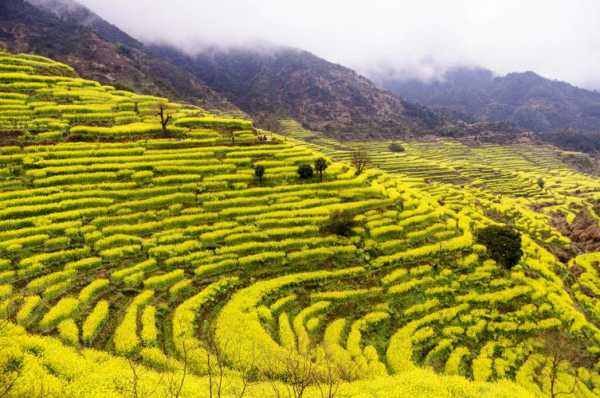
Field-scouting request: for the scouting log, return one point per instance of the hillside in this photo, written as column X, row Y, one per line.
column 274, row 82
column 67, row 31
column 534, row 187
column 525, row 99
column 266, row 83
column 139, row 258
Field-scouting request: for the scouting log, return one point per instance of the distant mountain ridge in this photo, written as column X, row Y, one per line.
column 525, row 99
column 276, row 83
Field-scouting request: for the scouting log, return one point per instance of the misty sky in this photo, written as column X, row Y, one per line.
column 559, row 39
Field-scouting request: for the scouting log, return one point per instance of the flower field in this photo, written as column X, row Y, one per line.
column 143, row 259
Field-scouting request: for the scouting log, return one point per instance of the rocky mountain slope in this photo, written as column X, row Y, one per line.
column 269, row 85
column 287, row 82
column 69, row 32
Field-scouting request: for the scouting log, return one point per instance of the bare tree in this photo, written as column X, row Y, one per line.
column 330, row 386
column 360, row 160
column 165, row 118
column 134, row 386
column 300, row 373
column 215, row 361
column 176, row 386
column 335, row 373
column 248, row 374
column 304, row 370
column 131, row 388
column 565, row 355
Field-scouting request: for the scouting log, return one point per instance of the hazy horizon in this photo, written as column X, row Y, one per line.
column 559, row 41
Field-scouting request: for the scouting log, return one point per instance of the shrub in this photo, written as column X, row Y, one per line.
column 395, row 147
column 503, row 244
column 541, row 183
column 259, row 172
column 305, row 171
column 340, row 223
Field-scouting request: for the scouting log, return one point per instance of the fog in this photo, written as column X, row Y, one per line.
column 559, row 39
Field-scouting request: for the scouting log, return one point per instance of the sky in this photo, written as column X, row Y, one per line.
column 559, row 39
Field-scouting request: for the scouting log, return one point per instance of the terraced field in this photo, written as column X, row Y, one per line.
column 530, row 186
column 146, row 259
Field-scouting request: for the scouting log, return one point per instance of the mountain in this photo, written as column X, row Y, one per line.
column 71, row 11
column 525, row 99
column 69, row 32
column 275, row 82
column 268, row 84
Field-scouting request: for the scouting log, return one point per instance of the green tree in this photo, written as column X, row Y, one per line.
column 503, row 244
column 320, row 166
column 305, row 171
column 259, row 172
column 396, row 147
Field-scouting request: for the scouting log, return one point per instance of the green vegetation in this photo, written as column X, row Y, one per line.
column 142, row 261
column 396, row 147
column 503, row 244
column 305, row 171
column 320, row 167
column 340, row 223
column 259, row 172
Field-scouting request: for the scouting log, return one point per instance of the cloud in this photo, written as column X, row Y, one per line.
column 558, row 39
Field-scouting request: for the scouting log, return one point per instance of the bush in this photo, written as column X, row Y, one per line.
column 395, row 147
column 541, row 183
column 305, row 171
column 340, row 223
column 259, row 172
column 503, row 244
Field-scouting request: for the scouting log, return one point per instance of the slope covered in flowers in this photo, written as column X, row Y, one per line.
column 148, row 258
